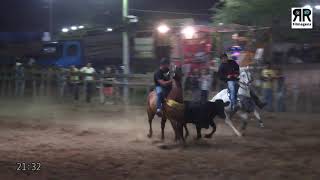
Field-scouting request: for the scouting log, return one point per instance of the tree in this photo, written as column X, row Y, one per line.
column 273, row 13
column 255, row 12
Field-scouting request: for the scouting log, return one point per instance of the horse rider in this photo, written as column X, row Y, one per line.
column 162, row 82
column 229, row 72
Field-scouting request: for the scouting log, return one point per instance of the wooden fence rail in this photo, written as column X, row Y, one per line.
column 302, row 92
column 40, row 83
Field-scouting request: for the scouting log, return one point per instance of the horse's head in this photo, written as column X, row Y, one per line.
column 176, row 73
column 245, row 76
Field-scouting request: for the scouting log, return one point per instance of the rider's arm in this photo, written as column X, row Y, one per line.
column 221, row 74
column 237, row 69
column 164, row 83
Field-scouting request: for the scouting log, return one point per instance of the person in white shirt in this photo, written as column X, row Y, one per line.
column 89, row 73
column 205, row 85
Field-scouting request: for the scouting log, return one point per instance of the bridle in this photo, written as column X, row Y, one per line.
column 250, row 80
column 172, row 73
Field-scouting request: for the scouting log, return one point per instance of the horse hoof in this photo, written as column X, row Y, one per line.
column 186, row 136
column 149, row 135
column 208, row 136
column 244, row 127
column 239, row 134
column 261, row 125
column 183, row 144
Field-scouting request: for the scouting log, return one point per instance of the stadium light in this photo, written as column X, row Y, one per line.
column 65, row 30
column 74, row 28
column 163, row 29
column 109, row 29
column 80, row 27
column 188, row 32
column 308, row 6
column 317, row 7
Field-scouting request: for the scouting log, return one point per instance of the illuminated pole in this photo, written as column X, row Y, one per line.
column 51, row 18
column 125, row 50
column 126, row 59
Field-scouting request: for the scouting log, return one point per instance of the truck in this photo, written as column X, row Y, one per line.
column 98, row 48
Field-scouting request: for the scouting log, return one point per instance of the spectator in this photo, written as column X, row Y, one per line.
column 205, row 83
column 280, row 91
column 62, row 81
column 107, row 87
column 88, row 72
column 194, row 83
column 74, row 82
column 268, row 76
column 19, row 79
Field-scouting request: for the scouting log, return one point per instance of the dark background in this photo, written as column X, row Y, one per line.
column 33, row 15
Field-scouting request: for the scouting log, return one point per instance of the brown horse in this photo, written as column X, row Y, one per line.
column 172, row 108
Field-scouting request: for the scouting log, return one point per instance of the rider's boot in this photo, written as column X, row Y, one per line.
column 159, row 112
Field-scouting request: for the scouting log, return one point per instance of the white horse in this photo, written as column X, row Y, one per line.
column 243, row 95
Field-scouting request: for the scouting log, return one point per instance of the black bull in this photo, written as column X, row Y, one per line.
column 202, row 115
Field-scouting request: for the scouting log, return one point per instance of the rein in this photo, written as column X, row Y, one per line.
column 250, row 80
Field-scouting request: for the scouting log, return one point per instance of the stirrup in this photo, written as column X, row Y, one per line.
column 159, row 112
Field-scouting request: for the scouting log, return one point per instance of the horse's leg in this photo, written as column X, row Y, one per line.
column 150, row 118
column 180, row 132
column 214, row 128
column 187, row 131
column 174, row 127
column 229, row 123
column 198, row 132
column 163, row 124
column 244, row 118
column 257, row 115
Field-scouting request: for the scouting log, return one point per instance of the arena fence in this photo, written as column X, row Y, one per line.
column 301, row 95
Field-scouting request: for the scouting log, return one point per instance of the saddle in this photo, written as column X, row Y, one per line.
column 174, row 104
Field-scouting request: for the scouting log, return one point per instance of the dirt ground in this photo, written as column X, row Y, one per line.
column 110, row 143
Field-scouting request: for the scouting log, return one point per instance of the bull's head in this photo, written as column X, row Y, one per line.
column 217, row 108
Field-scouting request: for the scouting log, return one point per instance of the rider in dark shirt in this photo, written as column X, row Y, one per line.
column 229, row 72
column 162, row 82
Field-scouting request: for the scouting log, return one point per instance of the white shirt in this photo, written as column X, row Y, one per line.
column 88, row 71
column 205, row 82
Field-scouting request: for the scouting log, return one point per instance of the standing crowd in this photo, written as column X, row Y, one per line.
column 67, row 80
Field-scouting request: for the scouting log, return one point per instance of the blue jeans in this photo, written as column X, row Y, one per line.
column 160, row 96
column 89, row 85
column 268, row 97
column 233, row 91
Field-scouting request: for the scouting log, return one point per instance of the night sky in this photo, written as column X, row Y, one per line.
column 33, row 15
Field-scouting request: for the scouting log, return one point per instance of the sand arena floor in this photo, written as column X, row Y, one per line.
column 91, row 142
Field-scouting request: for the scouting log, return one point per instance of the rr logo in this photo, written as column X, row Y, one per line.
column 301, row 18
